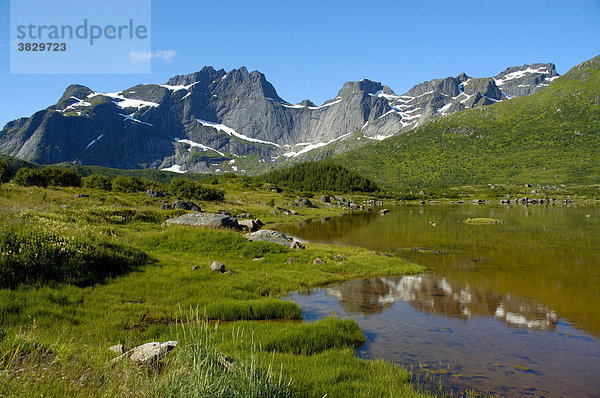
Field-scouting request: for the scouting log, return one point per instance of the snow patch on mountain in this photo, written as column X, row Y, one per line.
column 232, row 132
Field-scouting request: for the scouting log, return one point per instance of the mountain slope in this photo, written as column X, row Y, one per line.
column 550, row 137
column 212, row 120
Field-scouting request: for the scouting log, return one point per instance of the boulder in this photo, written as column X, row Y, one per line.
column 205, row 220
column 250, row 224
column 185, row 205
column 318, row 260
column 194, row 267
column 325, row 199
column 83, row 195
column 217, row 267
column 267, row 235
column 149, row 353
column 117, row 349
column 151, row 193
column 259, row 223
column 384, row 211
column 304, row 202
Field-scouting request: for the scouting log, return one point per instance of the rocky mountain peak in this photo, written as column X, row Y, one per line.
column 204, row 77
column 364, row 86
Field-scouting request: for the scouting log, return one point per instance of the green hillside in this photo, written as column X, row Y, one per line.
column 551, row 137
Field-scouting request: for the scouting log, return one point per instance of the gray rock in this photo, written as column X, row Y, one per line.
column 194, row 267
column 185, row 205
column 149, row 353
column 83, row 195
column 117, row 349
column 205, row 220
column 267, row 235
column 249, row 224
column 304, row 202
column 151, row 193
column 318, row 260
column 325, row 199
column 217, row 267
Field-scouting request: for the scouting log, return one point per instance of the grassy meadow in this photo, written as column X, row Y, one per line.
column 80, row 274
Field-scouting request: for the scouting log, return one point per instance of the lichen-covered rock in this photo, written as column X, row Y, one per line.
column 267, row 235
column 217, row 267
column 205, row 220
column 149, row 353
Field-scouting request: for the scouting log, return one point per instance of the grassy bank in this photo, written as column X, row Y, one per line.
column 56, row 331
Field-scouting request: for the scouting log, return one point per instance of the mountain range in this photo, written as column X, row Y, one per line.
column 218, row 121
column 549, row 138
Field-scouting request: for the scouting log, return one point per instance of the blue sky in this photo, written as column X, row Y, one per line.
column 309, row 48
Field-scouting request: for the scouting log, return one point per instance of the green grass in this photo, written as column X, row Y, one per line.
column 61, row 330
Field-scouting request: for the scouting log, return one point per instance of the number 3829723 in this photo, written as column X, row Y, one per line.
column 42, row 47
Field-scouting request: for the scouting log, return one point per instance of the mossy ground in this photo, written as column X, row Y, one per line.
column 55, row 335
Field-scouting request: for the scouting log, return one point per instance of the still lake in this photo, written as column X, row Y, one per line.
column 511, row 308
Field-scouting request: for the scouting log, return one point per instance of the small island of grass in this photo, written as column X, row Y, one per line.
column 483, row 220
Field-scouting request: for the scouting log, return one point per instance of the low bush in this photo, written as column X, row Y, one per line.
column 31, row 256
column 5, row 174
column 195, row 191
column 30, row 178
column 134, row 184
column 97, row 181
column 60, row 177
column 53, row 176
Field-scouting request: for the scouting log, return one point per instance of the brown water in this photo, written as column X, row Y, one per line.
column 511, row 308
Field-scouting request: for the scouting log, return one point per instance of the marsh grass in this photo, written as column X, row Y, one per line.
column 132, row 306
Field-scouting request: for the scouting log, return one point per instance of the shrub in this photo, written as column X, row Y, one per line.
column 134, row 184
column 320, row 176
column 126, row 184
column 5, row 173
column 96, row 181
column 30, row 178
column 60, row 177
column 194, row 190
column 31, row 256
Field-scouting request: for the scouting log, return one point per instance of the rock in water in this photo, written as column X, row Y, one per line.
column 205, row 220
column 149, row 353
column 267, row 235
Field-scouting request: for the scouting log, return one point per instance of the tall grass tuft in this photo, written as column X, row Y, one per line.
column 196, row 371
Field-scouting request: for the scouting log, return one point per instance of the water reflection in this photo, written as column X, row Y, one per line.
column 440, row 296
column 512, row 308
